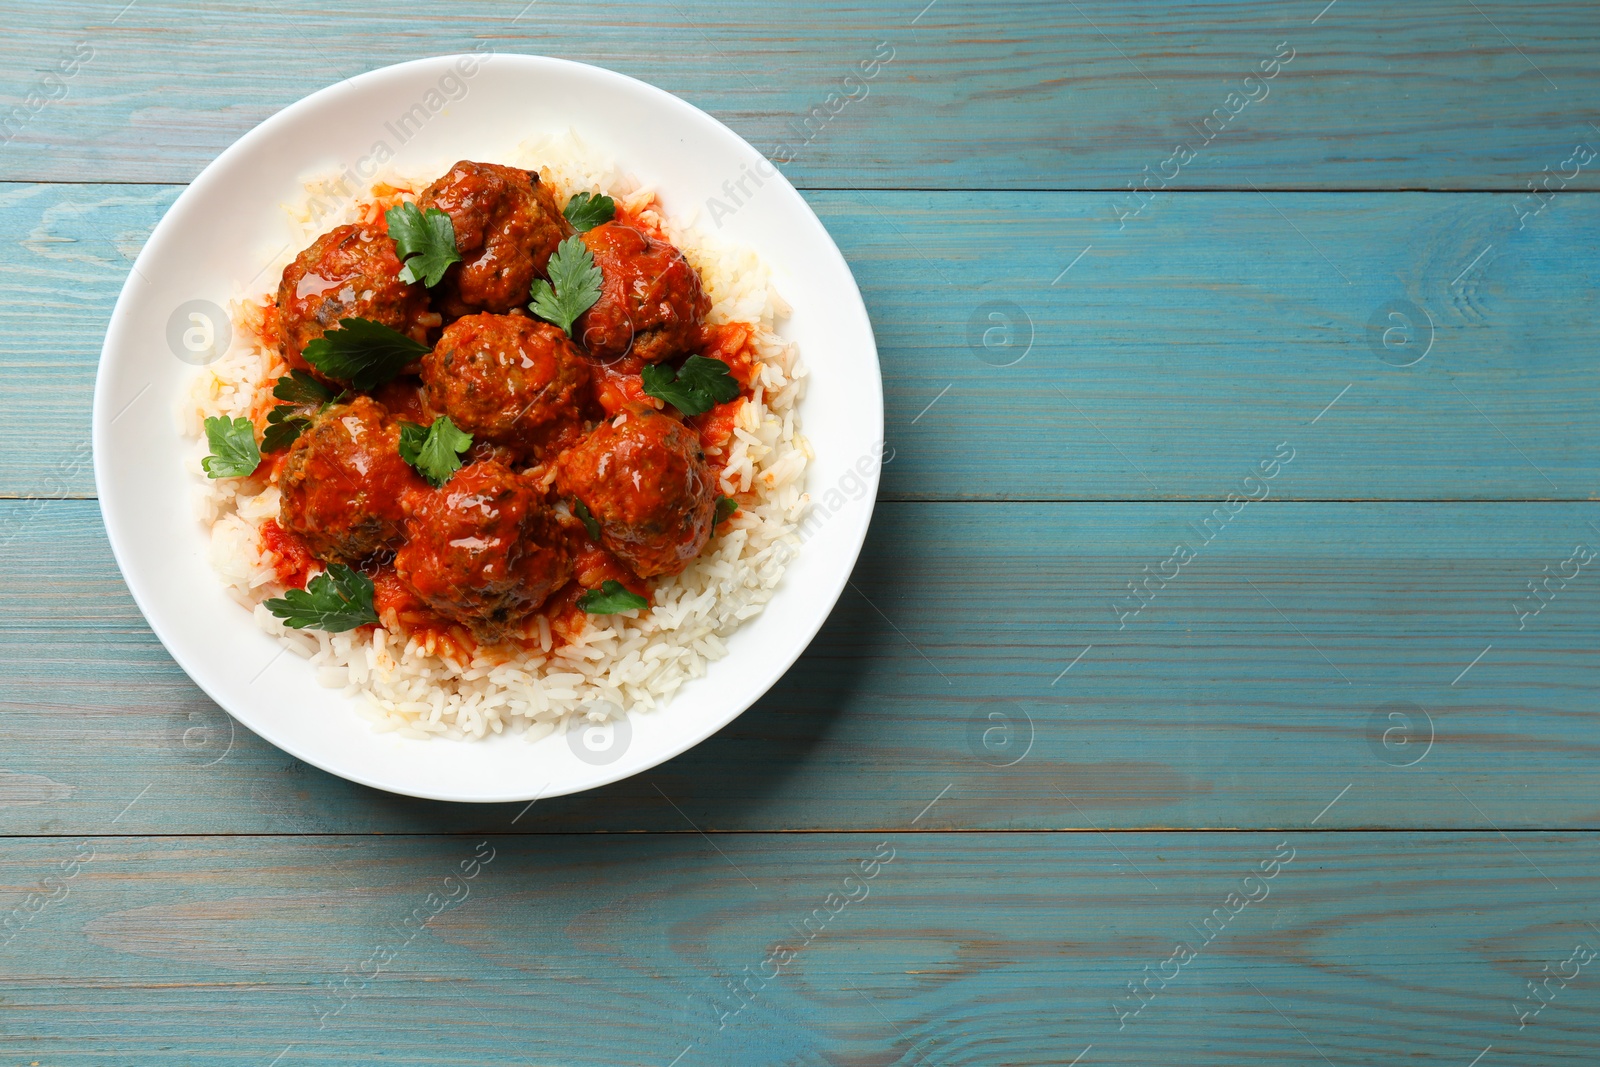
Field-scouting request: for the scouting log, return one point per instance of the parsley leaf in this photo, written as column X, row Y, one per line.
column 726, row 506
column 433, row 452
column 573, row 287
column 305, row 397
column 587, row 210
column 695, row 389
column 336, row 600
column 284, row 427
column 610, row 598
column 425, row 242
column 585, row 516
column 299, row 387
column 233, row 448
column 364, row 353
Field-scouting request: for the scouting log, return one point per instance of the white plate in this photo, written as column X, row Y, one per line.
column 229, row 222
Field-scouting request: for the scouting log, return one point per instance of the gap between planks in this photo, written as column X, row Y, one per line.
column 1091, row 189
column 74, row 499
column 926, row 831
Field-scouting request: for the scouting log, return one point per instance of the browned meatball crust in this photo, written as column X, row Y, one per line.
column 507, row 227
column 651, row 301
column 508, row 380
column 648, row 485
column 343, row 482
column 348, row 271
column 484, row 550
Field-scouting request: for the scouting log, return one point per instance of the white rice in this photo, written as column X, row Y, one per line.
column 618, row 663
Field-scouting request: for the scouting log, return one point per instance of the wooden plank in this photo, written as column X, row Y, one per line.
column 1180, row 350
column 1439, row 94
column 957, row 949
column 1253, row 690
column 74, row 247
column 1165, row 364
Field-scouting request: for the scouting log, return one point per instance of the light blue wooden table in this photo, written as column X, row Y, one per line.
column 1221, row 684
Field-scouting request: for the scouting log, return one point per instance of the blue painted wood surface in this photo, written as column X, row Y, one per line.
column 583, row 949
column 1174, row 355
column 1039, row 94
column 1247, row 693
column 1351, row 668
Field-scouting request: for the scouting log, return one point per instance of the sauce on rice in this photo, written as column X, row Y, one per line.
column 426, row 671
column 635, row 492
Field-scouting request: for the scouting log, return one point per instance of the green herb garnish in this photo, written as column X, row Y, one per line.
column 298, row 387
column 362, row 352
column 233, row 448
column 434, row 451
column 336, row 600
column 587, row 210
column 698, row 386
column 425, row 241
column 726, row 506
column 585, row 516
column 573, row 287
column 304, row 396
column 284, row 427
column 610, row 598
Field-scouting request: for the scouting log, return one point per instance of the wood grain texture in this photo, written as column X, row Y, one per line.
column 1165, row 364
column 960, row 949
column 1441, row 94
column 1249, row 692
column 1355, row 652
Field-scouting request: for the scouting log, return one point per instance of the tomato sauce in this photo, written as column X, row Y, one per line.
column 268, row 333
column 593, row 566
column 291, row 559
column 730, row 342
column 715, row 428
column 637, row 221
column 404, row 399
column 618, row 388
column 402, row 611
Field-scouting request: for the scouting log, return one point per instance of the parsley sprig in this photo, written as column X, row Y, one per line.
column 573, row 287
column 362, row 352
column 610, row 598
column 233, row 448
column 303, row 398
column 726, row 506
column 425, row 242
column 695, row 388
column 587, row 210
column 336, row 600
column 434, row 451
column 585, row 516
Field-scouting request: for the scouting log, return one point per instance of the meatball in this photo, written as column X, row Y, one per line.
column 507, row 227
column 651, row 301
column 484, row 550
column 343, row 482
column 648, row 485
column 508, row 380
column 348, row 271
